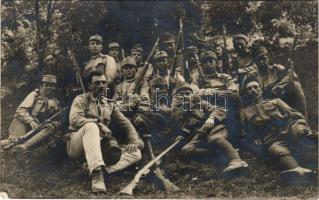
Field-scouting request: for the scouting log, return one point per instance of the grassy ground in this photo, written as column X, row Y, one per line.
column 42, row 176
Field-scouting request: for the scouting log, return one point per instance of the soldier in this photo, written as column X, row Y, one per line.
column 221, row 63
column 38, row 106
column 192, row 53
column 115, row 51
column 276, row 81
column 100, row 62
column 161, row 69
column 137, row 53
column 205, row 125
column 90, row 116
column 277, row 127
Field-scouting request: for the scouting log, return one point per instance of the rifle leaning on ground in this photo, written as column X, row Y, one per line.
column 139, row 80
column 32, row 133
column 130, row 187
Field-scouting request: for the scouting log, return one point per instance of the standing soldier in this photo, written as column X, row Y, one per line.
column 278, row 128
column 205, row 125
column 115, row 51
column 100, row 62
column 38, row 106
column 276, row 81
column 137, row 53
column 90, row 116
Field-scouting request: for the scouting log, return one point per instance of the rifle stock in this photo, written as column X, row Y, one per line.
column 130, row 187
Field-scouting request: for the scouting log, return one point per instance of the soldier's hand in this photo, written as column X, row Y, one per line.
column 34, row 125
column 131, row 148
column 209, row 123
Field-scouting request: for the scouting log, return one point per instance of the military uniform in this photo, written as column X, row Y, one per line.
column 36, row 107
column 278, row 82
column 85, row 140
column 102, row 63
column 203, row 139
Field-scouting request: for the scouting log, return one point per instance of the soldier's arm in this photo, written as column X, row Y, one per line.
column 215, row 112
column 23, row 110
column 77, row 116
column 111, row 70
column 286, row 108
column 127, row 127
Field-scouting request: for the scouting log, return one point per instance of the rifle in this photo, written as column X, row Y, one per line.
column 186, row 71
column 291, row 63
column 173, row 65
column 129, row 188
column 32, row 133
column 168, row 185
column 139, row 80
column 226, row 54
column 76, row 69
column 200, row 71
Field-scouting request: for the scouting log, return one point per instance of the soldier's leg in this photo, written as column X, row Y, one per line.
column 42, row 136
column 194, row 147
column 279, row 151
column 16, row 129
column 86, row 143
column 218, row 138
column 125, row 161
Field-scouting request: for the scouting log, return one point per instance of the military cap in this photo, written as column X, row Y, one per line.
column 183, row 86
column 128, row 61
column 114, row 45
column 168, row 38
column 160, row 54
column 208, row 54
column 240, row 37
column 159, row 81
column 49, row 78
column 258, row 51
column 138, row 48
column 249, row 79
column 96, row 38
column 192, row 49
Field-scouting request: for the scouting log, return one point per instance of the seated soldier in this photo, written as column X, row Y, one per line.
column 205, row 125
column 90, row 116
column 275, row 80
column 38, row 106
column 277, row 127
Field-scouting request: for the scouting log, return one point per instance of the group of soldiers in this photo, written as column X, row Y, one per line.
column 212, row 103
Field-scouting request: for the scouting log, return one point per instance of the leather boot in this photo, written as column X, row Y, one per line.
column 35, row 140
column 98, row 184
column 234, row 168
column 296, row 176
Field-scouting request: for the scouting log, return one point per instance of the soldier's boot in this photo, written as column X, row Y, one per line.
column 34, row 141
column 98, row 184
column 235, row 167
column 297, row 176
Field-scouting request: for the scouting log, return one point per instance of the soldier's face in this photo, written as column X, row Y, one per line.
column 262, row 62
column 50, row 60
column 128, row 71
column 162, row 63
column 219, row 51
column 95, row 47
column 137, row 56
column 98, row 85
column 240, row 45
column 209, row 65
column 169, row 47
column 49, row 89
column 114, row 52
column 253, row 90
column 185, row 96
column 160, row 90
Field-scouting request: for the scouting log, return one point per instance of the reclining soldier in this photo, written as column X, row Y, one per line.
column 38, row 106
column 278, row 128
column 91, row 115
column 276, row 81
column 205, row 125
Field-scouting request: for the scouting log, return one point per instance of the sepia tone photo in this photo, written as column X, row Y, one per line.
column 159, row 99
